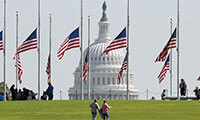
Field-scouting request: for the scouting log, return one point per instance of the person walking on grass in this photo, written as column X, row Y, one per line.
column 105, row 108
column 94, row 107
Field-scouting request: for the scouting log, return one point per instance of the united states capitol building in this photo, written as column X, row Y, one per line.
column 104, row 70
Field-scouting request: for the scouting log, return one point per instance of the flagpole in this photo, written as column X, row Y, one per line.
column 178, row 52
column 16, row 49
column 4, row 51
column 50, row 23
column 127, row 50
column 89, row 57
column 81, row 49
column 170, row 71
column 38, row 49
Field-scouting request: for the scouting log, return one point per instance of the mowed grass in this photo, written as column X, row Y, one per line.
column 79, row 110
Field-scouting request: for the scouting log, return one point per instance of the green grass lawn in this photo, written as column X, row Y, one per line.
column 79, row 110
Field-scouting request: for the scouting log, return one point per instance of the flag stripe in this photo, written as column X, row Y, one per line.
column 62, row 52
column 119, row 44
column 27, row 49
column 28, row 46
column 108, row 50
column 69, row 45
column 118, row 41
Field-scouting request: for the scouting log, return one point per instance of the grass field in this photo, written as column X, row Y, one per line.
column 79, row 110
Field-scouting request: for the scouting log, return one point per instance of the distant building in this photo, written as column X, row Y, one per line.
column 104, row 70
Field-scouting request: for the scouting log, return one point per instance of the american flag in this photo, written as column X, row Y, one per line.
column 85, row 67
column 28, row 44
column 1, row 40
column 117, row 43
column 170, row 44
column 164, row 70
column 72, row 41
column 124, row 67
column 48, row 70
column 19, row 71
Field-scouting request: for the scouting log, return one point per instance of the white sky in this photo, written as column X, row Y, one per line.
column 149, row 32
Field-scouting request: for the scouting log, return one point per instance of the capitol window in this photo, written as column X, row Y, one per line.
column 103, row 81
column 98, row 81
column 99, row 58
column 93, row 81
column 103, row 58
column 108, row 81
column 104, row 29
column 92, row 59
column 113, row 81
column 95, row 58
column 108, row 58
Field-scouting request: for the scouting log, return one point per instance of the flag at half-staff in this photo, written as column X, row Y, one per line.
column 29, row 44
column 119, row 42
column 1, row 40
column 72, row 41
column 170, row 44
column 19, row 70
column 48, row 69
column 124, row 67
column 164, row 70
column 85, row 67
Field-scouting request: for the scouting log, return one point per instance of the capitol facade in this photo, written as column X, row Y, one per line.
column 104, row 70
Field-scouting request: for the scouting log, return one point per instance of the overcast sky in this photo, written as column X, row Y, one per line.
column 149, row 32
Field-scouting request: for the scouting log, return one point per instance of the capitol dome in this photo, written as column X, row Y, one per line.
column 103, row 70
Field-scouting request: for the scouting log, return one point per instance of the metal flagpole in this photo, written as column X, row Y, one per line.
column 16, row 49
column 4, row 51
column 127, row 50
column 178, row 54
column 170, row 71
column 88, row 57
column 81, row 49
column 38, row 49
column 50, row 21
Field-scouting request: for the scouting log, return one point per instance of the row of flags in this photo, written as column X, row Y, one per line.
column 72, row 41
